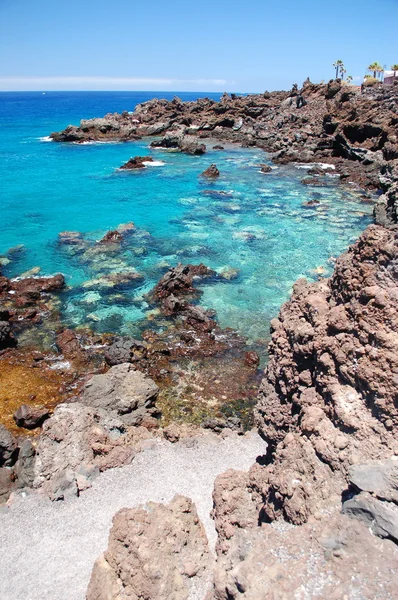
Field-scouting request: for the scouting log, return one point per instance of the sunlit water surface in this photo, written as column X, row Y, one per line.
column 258, row 231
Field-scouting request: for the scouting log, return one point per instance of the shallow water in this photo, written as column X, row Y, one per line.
column 258, row 229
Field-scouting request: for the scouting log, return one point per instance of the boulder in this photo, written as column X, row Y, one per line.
column 156, row 552
column 122, row 391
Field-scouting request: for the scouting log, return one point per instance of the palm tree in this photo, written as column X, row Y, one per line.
column 349, row 78
column 394, row 68
column 376, row 68
column 338, row 65
column 342, row 72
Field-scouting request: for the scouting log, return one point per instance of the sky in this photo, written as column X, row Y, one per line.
column 182, row 45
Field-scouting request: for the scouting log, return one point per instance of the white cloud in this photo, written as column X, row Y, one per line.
column 19, row 83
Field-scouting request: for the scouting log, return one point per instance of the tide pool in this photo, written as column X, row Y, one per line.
column 255, row 229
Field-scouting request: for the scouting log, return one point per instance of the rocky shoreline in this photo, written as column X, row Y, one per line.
column 316, row 515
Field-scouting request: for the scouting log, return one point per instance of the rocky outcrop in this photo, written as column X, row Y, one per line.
column 332, row 123
column 157, row 552
column 328, row 399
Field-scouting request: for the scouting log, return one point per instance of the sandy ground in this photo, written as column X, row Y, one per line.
column 47, row 549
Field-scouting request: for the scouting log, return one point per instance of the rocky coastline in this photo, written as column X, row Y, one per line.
column 316, row 515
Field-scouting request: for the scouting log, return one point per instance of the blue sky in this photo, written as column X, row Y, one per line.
column 207, row 45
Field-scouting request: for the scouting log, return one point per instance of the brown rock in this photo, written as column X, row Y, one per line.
column 157, row 552
column 136, row 163
column 211, row 172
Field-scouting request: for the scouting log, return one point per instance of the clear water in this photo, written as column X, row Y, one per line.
column 260, row 227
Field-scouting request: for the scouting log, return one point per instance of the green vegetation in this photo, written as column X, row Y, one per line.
column 339, row 66
column 376, row 68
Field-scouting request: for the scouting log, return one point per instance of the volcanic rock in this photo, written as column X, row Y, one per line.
column 75, row 444
column 157, row 551
column 138, row 162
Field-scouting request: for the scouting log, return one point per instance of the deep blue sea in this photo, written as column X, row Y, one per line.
column 258, row 229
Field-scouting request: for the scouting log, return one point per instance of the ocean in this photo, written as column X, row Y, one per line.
column 255, row 229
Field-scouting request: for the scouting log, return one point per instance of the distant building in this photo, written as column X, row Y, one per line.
column 390, row 77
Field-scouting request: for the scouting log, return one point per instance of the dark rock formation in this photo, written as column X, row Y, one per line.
column 158, row 552
column 136, row 163
column 334, row 123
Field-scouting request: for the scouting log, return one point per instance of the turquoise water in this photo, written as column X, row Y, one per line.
column 258, row 229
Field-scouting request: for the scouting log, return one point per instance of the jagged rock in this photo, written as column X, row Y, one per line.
column 157, row 552
column 211, row 172
column 30, row 417
column 266, row 169
column 328, row 397
column 8, row 447
column 179, row 280
column 75, row 444
column 112, row 237
column 122, row 391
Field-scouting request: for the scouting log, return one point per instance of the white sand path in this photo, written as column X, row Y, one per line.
column 47, row 549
